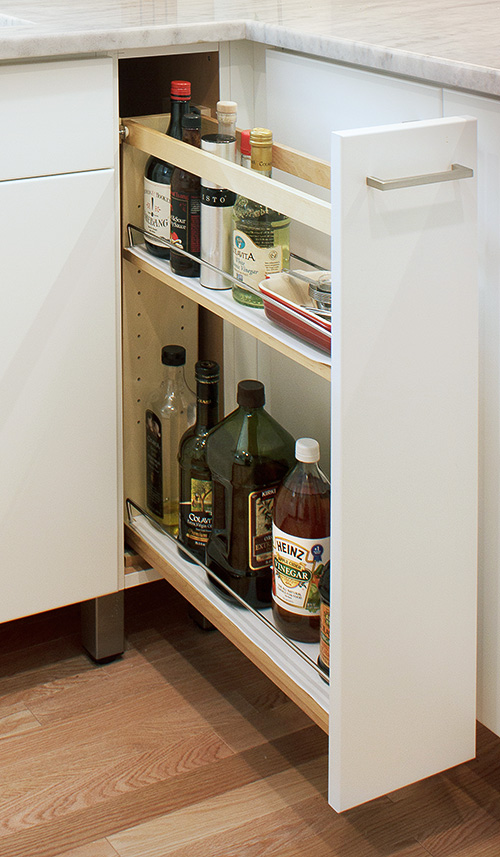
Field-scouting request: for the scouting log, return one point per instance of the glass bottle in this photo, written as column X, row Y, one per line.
column 324, row 620
column 226, row 118
column 261, row 236
column 170, row 411
column 248, row 454
column 301, row 544
column 185, row 205
column 158, row 175
column 245, row 150
column 195, row 508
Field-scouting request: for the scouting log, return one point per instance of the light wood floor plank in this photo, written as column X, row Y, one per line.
column 222, row 813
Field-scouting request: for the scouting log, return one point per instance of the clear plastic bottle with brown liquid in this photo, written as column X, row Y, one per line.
column 301, row 544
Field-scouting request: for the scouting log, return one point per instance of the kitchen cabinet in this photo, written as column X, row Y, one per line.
column 396, row 404
column 60, row 528
column 402, row 384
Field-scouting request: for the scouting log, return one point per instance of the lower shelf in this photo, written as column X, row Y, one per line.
column 273, row 655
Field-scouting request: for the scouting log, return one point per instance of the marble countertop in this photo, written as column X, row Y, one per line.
column 452, row 42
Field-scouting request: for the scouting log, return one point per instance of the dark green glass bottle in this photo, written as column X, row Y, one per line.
column 195, row 480
column 248, row 454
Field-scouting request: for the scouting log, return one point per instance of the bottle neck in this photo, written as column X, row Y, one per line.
column 192, row 136
column 207, row 404
column 177, row 110
column 262, row 159
column 174, row 375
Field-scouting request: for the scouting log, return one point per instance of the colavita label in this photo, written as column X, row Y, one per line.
column 199, row 517
column 297, row 568
column 260, row 519
column 154, row 487
column 252, row 264
column 157, row 210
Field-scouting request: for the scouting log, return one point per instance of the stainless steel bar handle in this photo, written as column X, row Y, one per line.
column 457, row 172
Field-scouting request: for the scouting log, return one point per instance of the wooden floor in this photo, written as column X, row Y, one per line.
column 182, row 748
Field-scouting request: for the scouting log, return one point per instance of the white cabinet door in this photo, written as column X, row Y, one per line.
column 58, row 392
column 404, row 459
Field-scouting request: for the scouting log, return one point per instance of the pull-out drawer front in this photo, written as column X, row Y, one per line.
column 45, row 108
column 404, row 457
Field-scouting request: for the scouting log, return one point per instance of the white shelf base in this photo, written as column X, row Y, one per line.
column 221, row 302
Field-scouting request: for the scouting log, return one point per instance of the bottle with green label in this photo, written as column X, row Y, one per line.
column 301, row 544
column 261, row 236
column 195, row 487
column 248, row 454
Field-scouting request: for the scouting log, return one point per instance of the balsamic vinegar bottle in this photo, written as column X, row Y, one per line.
column 158, row 175
column 195, row 479
column 185, row 206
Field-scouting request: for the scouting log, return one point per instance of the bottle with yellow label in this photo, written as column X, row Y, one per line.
column 261, row 236
column 324, row 621
column 301, row 544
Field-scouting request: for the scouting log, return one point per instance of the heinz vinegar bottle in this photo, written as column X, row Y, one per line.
column 301, row 544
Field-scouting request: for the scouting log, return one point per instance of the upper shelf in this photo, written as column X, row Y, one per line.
column 143, row 136
column 300, row 206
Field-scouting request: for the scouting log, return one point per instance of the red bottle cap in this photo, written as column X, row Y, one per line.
column 180, row 89
column 245, row 147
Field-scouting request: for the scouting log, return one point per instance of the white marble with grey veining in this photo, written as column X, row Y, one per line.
column 452, row 42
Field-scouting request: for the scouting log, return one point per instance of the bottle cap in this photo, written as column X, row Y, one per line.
column 251, row 394
column 227, row 107
column 173, row 355
column 245, row 147
column 191, row 120
column 307, row 449
column 180, row 89
column 207, row 370
column 261, row 137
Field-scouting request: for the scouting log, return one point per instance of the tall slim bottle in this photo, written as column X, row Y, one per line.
column 226, row 117
column 158, row 175
column 195, row 486
column 185, row 206
column 301, row 544
column 261, row 236
column 248, row 454
column 170, row 411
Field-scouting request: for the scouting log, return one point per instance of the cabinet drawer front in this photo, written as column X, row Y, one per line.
column 404, row 456
column 45, row 109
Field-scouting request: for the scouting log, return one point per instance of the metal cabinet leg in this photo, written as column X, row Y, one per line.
column 103, row 626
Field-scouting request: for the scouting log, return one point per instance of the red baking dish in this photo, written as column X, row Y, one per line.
column 283, row 296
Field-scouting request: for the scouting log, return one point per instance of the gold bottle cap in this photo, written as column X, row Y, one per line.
column 261, row 142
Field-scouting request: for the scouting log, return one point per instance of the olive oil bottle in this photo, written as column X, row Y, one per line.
column 248, row 454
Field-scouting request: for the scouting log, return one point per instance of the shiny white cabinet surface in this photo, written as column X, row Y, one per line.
column 59, row 420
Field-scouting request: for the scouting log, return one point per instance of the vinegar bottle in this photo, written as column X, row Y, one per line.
column 158, row 175
column 301, row 544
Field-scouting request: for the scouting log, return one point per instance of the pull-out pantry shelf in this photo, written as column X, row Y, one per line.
column 268, row 651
